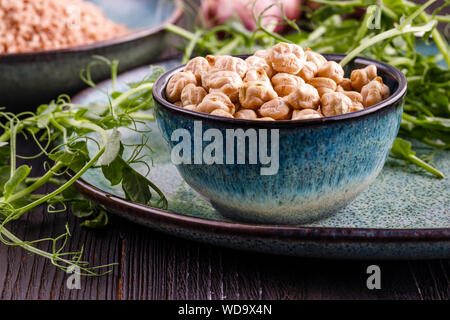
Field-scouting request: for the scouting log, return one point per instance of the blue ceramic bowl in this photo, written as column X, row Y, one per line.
column 27, row 79
column 323, row 163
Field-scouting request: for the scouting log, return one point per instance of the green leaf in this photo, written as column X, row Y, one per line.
column 75, row 157
column 5, row 154
column 135, row 186
column 71, row 193
column 13, row 182
column 113, row 171
column 5, row 172
column 402, row 149
column 112, row 148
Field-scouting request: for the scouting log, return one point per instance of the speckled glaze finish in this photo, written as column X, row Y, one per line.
column 27, row 79
column 323, row 163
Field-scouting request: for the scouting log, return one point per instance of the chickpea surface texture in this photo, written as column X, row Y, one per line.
column 254, row 93
column 308, row 71
column 256, row 75
column 304, row 97
column 192, row 95
column 227, row 82
column 286, row 57
column 216, row 100
column 332, row 70
column 198, row 66
column 254, row 62
column 323, row 85
column 374, row 92
column 176, row 84
column 335, row 103
column 277, row 109
column 361, row 77
column 248, row 114
column 285, row 83
column 305, row 114
column 228, row 63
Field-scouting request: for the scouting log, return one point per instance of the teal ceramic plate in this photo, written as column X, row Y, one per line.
column 27, row 79
column 403, row 215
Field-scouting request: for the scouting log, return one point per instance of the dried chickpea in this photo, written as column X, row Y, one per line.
column 221, row 113
column 265, row 119
column 285, row 83
column 286, row 57
column 176, row 84
column 254, row 93
column 356, row 98
column 346, row 84
column 332, row 70
column 191, row 107
column 198, row 66
column 356, row 106
column 308, row 71
column 228, row 63
column 216, row 100
column 248, row 114
column 277, row 109
column 192, row 95
column 374, row 92
column 255, row 62
column 265, row 54
column 304, row 97
column 256, row 75
column 315, row 58
column 224, row 81
column 361, row 77
column 334, row 103
column 323, row 85
column 305, row 114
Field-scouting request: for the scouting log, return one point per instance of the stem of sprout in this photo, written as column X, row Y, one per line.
column 179, row 31
column 37, row 184
column 354, row 3
column 229, row 47
column 66, row 185
column 437, row 37
column 120, row 99
column 383, row 36
column 191, row 46
column 419, row 162
column 142, row 116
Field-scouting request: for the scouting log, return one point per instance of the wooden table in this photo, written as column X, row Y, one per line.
column 152, row 265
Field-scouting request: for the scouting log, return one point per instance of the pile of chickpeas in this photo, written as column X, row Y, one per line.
column 284, row 82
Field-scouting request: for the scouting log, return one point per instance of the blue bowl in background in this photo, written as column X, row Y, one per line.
column 323, row 163
column 28, row 79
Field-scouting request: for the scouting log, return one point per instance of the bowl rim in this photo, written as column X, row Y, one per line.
column 162, row 81
column 132, row 36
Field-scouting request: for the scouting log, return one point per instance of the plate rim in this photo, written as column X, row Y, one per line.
column 132, row 36
column 281, row 232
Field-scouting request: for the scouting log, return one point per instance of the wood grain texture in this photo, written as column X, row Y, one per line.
column 152, row 265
